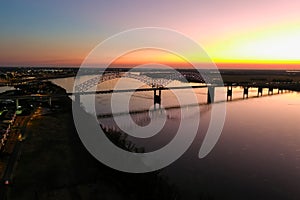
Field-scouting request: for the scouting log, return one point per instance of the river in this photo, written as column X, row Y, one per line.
column 256, row 157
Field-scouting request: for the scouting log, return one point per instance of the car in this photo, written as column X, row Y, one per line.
column 7, row 182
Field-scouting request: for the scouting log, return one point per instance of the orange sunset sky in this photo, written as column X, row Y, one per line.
column 235, row 34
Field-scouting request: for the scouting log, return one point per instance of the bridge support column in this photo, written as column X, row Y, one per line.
column 260, row 91
column 77, row 100
column 210, row 94
column 50, row 101
column 246, row 92
column 270, row 91
column 229, row 92
column 17, row 103
column 157, row 98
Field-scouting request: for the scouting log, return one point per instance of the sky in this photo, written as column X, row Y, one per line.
column 240, row 34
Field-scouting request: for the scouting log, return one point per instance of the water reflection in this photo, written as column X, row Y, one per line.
column 257, row 156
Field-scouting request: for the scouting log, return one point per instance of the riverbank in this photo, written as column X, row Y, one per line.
column 54, row 164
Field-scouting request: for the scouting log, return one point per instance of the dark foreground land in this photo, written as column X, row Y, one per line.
column 54, row 164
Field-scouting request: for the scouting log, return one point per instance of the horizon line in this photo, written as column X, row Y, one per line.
column 219, row 65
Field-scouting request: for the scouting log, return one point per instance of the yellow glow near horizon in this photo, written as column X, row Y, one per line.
column 149, row 56
column 268, row 45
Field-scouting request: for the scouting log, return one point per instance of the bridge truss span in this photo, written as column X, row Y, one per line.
column 147, row 80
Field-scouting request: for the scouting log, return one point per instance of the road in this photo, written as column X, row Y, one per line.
column 13, row 148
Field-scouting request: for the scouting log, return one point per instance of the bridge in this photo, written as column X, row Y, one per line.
column 38, row 97
column 152, row 82
column 157, row 85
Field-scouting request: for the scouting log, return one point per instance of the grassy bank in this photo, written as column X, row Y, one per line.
column 55, row 165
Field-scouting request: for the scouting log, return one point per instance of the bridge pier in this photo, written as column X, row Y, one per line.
column 50, row 101
column 270, row 91
column 210, row 94
column 229, row 92
column 17, row 103
column 157, row 98
column 246, row 92
column 260, row 91
column 77, row 100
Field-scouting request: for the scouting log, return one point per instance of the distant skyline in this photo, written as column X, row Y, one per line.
column 235, row 34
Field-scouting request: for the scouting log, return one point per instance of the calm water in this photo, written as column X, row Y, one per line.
column 256, row 157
